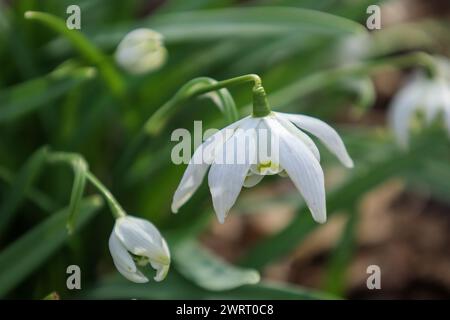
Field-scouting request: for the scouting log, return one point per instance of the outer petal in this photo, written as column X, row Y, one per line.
column 141, row 238
column 198, row 165
column 123, row 261
column 446, row 99
column 226, row 179
column 434, row 99
column 161, row 269
column 329, row 137
column 402, row 107
column 303, row 168
column 298, row 133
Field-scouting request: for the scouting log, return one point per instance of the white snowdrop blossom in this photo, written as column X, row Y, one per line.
column 136, row 242
column 425, row 94
column 236, row 157
column 141, row 51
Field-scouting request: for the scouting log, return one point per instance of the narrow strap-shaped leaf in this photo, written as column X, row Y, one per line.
column 341, row 257
column 223, row 99
column 42, row 200
column 21, row 185
column 26, row 97
column 231, row 23
column 208, row 271
column 27, row 253
column 176, row 286
column 159, row 119
column 89, row 51
column 80, row 168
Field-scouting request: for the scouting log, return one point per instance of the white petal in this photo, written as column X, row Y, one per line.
column 123, row 261
column 120, row 254
column 446, row 99
column 199, row 164
column 161, row 269
column 433, row 100
column 141, row 238
column 298, row 133
column 402, row 107
column 136, row 276
column 226, row 177
column 329, row 137
column 303, row 168
column 252, row 180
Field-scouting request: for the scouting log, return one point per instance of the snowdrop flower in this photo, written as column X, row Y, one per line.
column 141, row 51
column 136, row 242
column 430, row 95
column 292, row 154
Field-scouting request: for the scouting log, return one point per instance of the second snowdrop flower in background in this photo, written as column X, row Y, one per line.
column 141, row 51
column 135, row 243
column 422, row 93
column 295, row 155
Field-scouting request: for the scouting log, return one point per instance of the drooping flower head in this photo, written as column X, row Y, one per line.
column 236, row 157
column 429, row 95
column 134, row 243
column 141, row 51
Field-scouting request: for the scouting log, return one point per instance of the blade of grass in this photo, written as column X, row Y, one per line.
column 28, row 173
column 89, row 51
column 177, row 287
column 27, row 253
column 43, row 201
column 341, row 257
column 26, row 97
column 209, row 271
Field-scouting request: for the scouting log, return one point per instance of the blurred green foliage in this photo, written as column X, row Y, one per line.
column 50, row 95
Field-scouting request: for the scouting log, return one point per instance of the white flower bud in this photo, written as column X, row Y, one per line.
column 141, row 51
column 136, row 242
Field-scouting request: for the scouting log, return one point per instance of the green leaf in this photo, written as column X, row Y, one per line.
column 191, row 89
column 27, row 253
column 176, row 286
column 26, row 97
column 229, row 23
column 42, row 200
column 21, row 185
column 90, row 52
column 223, row 99
column 80, row 169
column 208, row 271
column 341, row 257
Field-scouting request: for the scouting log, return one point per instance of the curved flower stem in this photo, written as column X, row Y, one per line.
column 158, row 120
column 73, row 159
column 90, row 52
column 116, row 208
column 193, row 88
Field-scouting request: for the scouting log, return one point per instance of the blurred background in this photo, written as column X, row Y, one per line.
column 392, row 210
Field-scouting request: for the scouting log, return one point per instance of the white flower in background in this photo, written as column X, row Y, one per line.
column 294, row 155
column 141, row 51
column 136, row 242
column 422, row 93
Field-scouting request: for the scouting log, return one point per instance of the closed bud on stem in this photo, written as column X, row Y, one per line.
column 141, row 51
column 135, row 243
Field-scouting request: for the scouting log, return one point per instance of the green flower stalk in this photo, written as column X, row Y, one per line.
column 134, row 242
column 89, row 51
